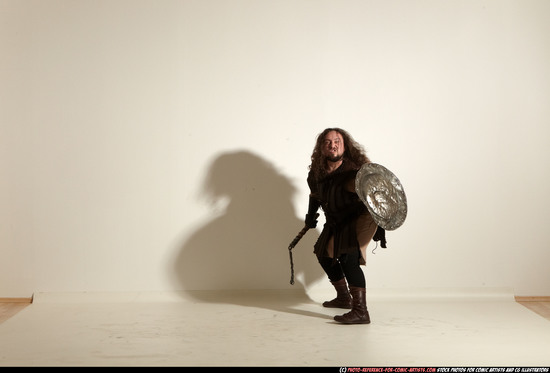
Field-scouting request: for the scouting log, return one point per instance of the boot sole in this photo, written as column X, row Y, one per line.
column 352, row 322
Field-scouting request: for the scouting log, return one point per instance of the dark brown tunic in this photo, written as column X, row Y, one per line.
column 335, row 193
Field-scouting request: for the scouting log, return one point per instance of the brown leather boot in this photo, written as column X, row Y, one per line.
column 343, row 298
column 358, row 313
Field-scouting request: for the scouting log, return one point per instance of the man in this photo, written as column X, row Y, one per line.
column 341, row 247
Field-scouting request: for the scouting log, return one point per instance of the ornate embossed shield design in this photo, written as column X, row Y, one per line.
column 382, row 193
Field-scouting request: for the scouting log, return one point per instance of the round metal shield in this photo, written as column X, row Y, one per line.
column 382, row 193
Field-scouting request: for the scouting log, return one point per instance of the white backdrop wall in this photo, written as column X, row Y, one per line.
column 163, row 145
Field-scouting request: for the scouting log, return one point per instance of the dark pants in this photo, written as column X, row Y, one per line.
column 346, row 266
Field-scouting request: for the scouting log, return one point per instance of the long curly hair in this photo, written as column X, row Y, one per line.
column 354, row 154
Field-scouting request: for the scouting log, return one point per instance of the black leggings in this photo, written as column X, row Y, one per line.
column 348, row 266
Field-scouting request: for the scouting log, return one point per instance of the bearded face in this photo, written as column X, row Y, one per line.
column 333, row 146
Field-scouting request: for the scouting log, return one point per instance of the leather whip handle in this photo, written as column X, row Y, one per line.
column 291, row 246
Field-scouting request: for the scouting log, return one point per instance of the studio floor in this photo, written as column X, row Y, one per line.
column 272, row 328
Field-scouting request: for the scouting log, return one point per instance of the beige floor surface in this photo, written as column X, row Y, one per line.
column 271, row 329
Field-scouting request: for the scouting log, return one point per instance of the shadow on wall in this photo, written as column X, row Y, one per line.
column 246, row 247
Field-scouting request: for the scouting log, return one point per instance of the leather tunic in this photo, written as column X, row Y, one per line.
column 336, row 195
